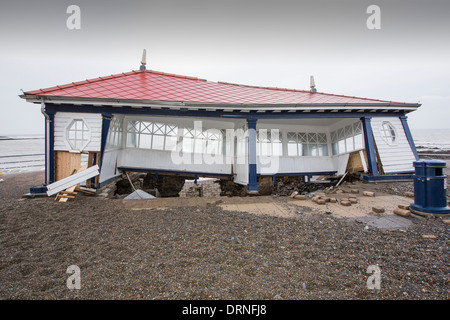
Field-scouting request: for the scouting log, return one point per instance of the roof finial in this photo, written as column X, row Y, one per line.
column 144, row 61
column 312, row 84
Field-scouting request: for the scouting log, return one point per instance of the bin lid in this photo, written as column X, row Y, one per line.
column 430, row 163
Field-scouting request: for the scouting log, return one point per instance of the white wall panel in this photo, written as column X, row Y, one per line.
column 93, row 121
column 397, row 157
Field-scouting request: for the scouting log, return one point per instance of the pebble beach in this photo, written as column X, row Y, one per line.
column 202, row 252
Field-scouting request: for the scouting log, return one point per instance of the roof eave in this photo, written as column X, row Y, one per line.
column 408, row 107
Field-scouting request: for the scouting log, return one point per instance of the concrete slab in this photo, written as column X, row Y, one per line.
column 387, row 222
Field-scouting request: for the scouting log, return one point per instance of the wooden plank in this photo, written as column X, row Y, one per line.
column 65, row 163
column 90, row 163
column 68, row 192
column 70, row 189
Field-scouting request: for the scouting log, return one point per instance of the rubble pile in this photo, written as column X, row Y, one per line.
column 231, row 189
column 285, row 186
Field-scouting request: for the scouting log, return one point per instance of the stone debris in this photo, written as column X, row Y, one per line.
column 230, row 189
column 293, row 194
column 429, row 236
column 320, row 201
column 369, row 194
column 300, row 197
column 404, row 207
column 353, row 200
column 402, row 212
column 446, row 221
column 378, row 209
column 408, row 194
column 285, row 186
column 333, row 200
column 346, row 203
column 354, row 191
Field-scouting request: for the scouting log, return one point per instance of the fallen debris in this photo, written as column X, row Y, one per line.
column 404, row 207
column 378, row 209
column 402, row 212
column 346, row 203
column 408, row 194
column 139, row 194
column 446, row 221
column 72, row 180
column 369, row 194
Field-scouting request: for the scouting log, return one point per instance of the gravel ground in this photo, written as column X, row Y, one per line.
column 206, row 253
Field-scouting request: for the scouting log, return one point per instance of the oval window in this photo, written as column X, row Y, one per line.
column 389, row 133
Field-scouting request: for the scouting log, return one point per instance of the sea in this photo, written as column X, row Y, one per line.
column 25, row 153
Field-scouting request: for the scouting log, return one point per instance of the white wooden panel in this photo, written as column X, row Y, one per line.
column 63, row 119
column 109, row 162
column 165, row 160
column 72, row 180
column 272, row 165
column 394, row 158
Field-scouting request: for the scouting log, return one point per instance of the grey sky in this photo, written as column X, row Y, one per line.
column 269, row 43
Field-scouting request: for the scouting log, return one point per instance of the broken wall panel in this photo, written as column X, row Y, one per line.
column 66, row 163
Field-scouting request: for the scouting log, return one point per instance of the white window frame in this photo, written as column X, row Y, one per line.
column 85, row 135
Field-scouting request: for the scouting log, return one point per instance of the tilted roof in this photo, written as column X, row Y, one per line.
column 154, row 86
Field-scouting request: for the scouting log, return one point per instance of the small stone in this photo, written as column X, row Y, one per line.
column 299, row 212
column 354, row 191
column 369, row 194
column 378, row 209
column 429, row 236
column 320, row 201
column 300, row 197
column 353, row 200
column 404, row 207
column 346, row 203
column 446, row 221
column 326, row 199
column 293, row 194
column 402, row 212
column 408, row 194
column 277, row 297
column 333, row 200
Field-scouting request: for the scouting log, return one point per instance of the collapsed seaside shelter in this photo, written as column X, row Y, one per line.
column 167, row 124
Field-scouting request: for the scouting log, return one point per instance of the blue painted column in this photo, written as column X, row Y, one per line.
column 252, row 172
column 370, row 146
column 106, row 121
column 409, row 137
column 51, row 157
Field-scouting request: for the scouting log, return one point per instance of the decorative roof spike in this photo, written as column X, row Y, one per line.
column 144, row 61
column 312, row 84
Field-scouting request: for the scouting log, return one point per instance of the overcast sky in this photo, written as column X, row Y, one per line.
column 255, row 42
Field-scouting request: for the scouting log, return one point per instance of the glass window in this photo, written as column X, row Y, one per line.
column 78, row 134
column 307, row 144
column 388, row 133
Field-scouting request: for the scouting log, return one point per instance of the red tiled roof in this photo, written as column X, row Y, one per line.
column 159, row 86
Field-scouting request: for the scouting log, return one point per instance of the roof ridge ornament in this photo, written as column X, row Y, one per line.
column 312, row 84
column 143, row 61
